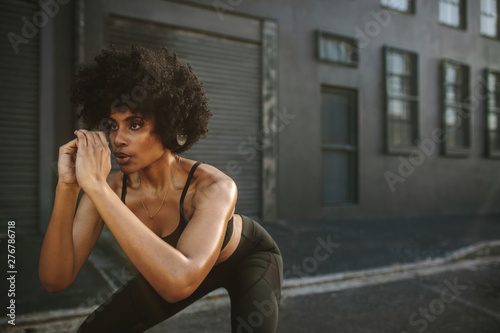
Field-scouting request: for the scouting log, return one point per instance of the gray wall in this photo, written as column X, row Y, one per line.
column 440, row 185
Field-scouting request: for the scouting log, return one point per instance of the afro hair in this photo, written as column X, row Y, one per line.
column 153, row 83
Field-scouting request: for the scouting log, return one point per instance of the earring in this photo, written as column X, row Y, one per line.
column 181, row 139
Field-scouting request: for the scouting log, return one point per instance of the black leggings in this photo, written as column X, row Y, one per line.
column 252, row 276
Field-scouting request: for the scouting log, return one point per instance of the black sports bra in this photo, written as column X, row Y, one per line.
column 173, row 237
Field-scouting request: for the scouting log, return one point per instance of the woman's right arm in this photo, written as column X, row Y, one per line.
column 70, row 237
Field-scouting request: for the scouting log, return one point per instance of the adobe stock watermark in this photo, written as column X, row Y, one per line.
column 428, row 146
column 321, row 253
column 420, row 320
column 417, row 157
column 104, row 295
column 138, row 93
column 30, row 26
column 372, row 28
column 223, row 6
column 255, row 143
column 263, row 309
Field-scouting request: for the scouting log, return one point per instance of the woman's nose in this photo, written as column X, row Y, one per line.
column 120, row 138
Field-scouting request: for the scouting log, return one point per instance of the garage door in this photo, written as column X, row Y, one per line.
column 19, row 125
column 230, row 71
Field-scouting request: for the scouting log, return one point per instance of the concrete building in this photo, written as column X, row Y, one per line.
column 322, row 109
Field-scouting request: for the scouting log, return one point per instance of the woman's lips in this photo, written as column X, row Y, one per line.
column 122, row 158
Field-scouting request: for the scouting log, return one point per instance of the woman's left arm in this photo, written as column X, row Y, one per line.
column 175, row 273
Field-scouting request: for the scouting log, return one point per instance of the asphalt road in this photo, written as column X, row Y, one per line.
column 454, row 301
column 458, row 297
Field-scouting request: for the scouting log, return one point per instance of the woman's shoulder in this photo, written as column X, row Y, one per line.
column 208, row 173
column 209, row 178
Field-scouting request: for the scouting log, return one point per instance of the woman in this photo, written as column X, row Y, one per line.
column 173, row 217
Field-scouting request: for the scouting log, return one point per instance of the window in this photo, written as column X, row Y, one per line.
column 337, row 49
column 339, row 145
column 489, row 18
column 401, row 99
column 452, row 13
column 404, row 6
column 493, row 113
column 456, row 122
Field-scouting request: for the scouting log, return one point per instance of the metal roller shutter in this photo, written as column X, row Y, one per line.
column 19, row 124
column 230, row 71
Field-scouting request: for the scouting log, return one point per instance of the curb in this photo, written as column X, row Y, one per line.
column 475, row 251
column 483, row 252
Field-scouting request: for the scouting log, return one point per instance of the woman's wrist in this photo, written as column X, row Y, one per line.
column 65, row 186
column 95, row 188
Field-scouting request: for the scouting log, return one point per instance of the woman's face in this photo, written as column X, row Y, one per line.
column 134, row 145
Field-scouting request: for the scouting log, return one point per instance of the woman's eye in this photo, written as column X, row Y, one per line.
column 112, row 127
column 135, row 126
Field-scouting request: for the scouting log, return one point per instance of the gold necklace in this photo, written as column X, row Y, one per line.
column 164, row 196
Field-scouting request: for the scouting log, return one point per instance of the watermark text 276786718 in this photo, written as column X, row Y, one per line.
column 11, row 271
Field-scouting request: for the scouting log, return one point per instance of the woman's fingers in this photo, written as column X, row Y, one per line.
column 66, row 163
column 70, row 147
column 82, row 138
column 89, row 138
column 102, row 137
column 92, row 142
column 99, row 138
column 93, row 161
